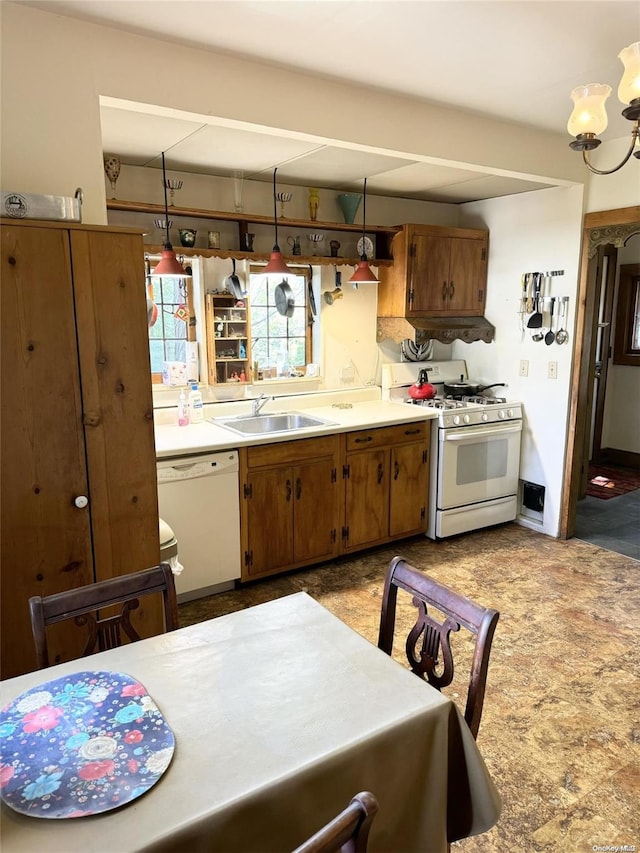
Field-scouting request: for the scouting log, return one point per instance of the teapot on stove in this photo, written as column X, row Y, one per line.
column 422, row 389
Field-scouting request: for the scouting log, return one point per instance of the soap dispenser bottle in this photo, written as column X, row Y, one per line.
column 196, row 410
column 183, row 409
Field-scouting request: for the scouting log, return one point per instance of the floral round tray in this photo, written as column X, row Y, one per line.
column 80, row 745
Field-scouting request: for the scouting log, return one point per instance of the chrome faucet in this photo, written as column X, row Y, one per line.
column 258, row 403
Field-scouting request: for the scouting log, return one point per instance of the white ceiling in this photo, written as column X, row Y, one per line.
column 514, row 60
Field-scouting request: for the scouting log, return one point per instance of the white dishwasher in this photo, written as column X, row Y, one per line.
column 198, row 498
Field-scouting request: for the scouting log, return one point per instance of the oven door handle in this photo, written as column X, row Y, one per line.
column 470, row 434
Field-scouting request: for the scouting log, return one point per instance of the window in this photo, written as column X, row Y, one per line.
column 279, row 342
column 626, row 346
column 168, row 335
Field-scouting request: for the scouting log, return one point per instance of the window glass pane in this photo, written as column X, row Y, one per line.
column 258, row 290
column 167, row 337
column 635, row 334
column 156, row 352
column 276, row 338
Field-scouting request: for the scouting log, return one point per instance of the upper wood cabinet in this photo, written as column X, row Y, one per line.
column 436, row 272
column 79, row 495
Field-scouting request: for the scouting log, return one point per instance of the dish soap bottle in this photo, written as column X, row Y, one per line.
column 196, row 410
column 183, row 410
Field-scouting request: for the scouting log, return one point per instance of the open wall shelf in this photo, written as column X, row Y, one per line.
column 383, row 233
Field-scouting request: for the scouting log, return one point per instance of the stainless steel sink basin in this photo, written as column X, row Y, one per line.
column 265, row 424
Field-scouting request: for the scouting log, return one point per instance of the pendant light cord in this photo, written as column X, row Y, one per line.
column 166, row 206
column 276, row 247
column 363, row 256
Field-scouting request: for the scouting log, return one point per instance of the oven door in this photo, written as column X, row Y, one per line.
column 478, row 463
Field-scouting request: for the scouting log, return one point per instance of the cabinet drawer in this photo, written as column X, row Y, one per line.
column 365, row 439
column 285, row 452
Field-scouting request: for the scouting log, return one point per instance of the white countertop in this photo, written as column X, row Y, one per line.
column 172, row 440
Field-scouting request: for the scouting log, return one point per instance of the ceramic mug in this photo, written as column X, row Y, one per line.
column 187, row 237
column 334, row 245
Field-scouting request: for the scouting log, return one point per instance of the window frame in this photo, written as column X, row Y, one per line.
column 151, row 283
column 301, row 271
column 627, row 316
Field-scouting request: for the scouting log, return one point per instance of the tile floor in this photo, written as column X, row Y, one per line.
column 560, row 731
column 613, row 524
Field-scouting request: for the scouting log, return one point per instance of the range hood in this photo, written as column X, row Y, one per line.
column 443, row 329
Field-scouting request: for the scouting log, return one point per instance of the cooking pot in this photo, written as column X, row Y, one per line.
column 422, row 389
column 468, row 389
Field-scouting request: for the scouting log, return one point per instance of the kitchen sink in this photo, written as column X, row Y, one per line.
column 266, row 424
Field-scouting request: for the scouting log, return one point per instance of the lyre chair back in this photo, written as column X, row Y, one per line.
column 83, row 603
column 347, row 832
column 428, row 645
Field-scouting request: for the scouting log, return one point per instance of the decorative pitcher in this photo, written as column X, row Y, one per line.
column 294, row 242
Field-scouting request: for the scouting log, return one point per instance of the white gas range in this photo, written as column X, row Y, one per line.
column 475, row 449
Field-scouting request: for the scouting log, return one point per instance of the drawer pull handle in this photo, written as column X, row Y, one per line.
column 412, row 432
column 396, row 470
column 289, row 490
column 380, row 472
column 444, row 289
column 364, row 440
column 298, row 488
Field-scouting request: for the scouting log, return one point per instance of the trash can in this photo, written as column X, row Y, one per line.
column 168, row 543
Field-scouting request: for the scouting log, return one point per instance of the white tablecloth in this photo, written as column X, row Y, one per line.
column 280, row 713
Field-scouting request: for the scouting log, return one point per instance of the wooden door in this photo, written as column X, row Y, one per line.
column 408, row 489
column 316, row 511
column 46, row 538
column 428, row 284
column 367, row 498
column 467, row 277
column 269, row 520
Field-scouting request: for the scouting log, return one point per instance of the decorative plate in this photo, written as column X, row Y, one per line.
column 368, row 247
column 80, row 745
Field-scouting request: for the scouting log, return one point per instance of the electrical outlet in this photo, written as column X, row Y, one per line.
column 347, row 374
column 524, row 367
column 553, row 370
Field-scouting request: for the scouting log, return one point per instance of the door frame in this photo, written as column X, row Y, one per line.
column 601, row 228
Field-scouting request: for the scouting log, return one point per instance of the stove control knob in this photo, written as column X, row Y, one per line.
column 466, row 419
column 456, row 419
column 484, row 416
column 509, row 413
column 501, row 414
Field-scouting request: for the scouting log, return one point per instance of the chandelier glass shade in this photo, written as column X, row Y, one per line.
column 588, row 118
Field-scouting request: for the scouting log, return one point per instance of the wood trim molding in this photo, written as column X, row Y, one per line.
column 627, row 216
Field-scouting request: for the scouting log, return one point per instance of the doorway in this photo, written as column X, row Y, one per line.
column 603, row 229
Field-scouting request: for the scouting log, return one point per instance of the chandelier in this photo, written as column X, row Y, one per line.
column 589, row 115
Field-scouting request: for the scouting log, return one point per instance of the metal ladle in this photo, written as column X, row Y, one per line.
column 562, row 336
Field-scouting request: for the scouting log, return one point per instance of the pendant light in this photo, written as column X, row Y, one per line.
column 276, row 261
column 363, row 273
column 168, row 265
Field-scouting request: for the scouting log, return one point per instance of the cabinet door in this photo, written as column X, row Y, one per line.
column 46, row 538
column 316, row 509
column 408, row 492
column 367, row 498
column 468, row 277
column 428, row 285
column 269, row 519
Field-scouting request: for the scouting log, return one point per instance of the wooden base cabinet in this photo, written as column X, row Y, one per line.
column 436, row 272
column 79, row 495
column 290, row 505
column 386, row 484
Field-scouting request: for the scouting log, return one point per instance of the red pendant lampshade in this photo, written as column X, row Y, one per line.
column 276, row 262
column 363, row 273
column 168, row 265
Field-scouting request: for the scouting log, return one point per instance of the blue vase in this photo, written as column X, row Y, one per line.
column 349, row 204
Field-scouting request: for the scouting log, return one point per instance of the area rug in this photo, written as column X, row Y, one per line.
column 610, row 481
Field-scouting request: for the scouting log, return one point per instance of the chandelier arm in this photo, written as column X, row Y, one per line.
column 635, row 133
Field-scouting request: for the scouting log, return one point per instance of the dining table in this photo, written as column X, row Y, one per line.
column 280, row 714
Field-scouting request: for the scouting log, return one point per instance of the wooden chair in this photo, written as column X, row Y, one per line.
column 428, row 645
column 82, row 604
column 348, row 832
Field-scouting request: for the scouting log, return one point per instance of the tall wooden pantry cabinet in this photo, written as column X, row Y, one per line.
column 79, row 494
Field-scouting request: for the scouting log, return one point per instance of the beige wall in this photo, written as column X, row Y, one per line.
column 55, row 68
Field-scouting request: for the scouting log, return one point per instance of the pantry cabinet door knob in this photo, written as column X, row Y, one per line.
column 81, row 501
